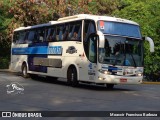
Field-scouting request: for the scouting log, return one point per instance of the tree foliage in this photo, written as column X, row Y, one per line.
column 146, row 13
column 16, row 13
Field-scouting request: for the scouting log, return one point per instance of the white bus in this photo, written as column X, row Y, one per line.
column 82, row 48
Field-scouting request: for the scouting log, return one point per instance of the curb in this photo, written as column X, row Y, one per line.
column 5, row 70
column 153, row 83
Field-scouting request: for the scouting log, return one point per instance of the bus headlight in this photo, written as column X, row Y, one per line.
column 105, row 72
column 139, row 74
column 101, row 78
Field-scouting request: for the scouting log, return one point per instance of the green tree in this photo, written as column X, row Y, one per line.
column 103, row 7
column 5, row 19
column 146, row 13
column 16, row 13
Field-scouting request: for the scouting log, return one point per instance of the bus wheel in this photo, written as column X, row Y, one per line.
column 24, row 71
column 72, row 77
column 109, row 86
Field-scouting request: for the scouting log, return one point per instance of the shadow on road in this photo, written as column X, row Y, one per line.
column 82, row 85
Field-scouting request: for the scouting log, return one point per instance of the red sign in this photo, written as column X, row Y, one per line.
column 101, row 24
column 123, row 80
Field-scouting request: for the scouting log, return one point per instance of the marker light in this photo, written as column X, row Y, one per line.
column 100, row 78
column 139, row 74
column 104, row 72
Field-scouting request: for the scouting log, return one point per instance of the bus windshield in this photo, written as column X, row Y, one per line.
column 119, row 29
column 122, row 51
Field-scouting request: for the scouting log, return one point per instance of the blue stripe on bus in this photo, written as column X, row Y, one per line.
column 41, row 50
column 112, row 68
column 36, row 50
column 55, row 50
column 36, row 68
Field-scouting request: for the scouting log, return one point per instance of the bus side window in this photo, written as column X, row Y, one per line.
column 22, row 37
column 65, row 32
column 15, row 37
column 89, row 27
column 71, row 30
column 57, row 33
column 86, row 27
column 79, row 34
column 75, row 33
column 19, row 37
column 61, row 33
column 31, row 36
column 40, row 35
column 50, row 34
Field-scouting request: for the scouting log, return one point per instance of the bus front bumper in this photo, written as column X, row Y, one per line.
column 113, row 79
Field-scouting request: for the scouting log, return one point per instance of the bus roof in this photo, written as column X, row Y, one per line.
column 32, row 27
column 79, row 17
column 96, row 18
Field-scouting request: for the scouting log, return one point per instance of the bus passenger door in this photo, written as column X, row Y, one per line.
column 92, row 56
column 90, row 48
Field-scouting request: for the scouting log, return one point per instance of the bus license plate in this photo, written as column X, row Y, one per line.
column 123, row 80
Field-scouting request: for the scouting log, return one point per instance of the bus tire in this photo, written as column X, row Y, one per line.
column 24, row 71
column 72, row 77
column 109, row 86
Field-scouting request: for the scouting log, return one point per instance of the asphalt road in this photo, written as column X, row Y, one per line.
column 46, row 95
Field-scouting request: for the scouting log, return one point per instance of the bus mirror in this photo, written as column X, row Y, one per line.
column 101, row 39
column 151, row 43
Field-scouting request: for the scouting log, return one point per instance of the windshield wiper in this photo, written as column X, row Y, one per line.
column 133, row 60
column 117, row 59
